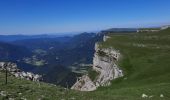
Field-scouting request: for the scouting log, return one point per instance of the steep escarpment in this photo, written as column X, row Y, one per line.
column 105, row 63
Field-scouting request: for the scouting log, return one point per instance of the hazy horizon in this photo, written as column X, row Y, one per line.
column 72, row 16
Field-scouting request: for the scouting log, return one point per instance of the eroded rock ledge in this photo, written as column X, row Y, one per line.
column 105, row 63
column 13, row 70
column 84, row 83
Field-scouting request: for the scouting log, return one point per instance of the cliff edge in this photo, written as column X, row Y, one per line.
column 105, row 64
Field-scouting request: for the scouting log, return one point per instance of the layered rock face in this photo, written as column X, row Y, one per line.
column 84, row 83
column 13, row 70
column 105, row 63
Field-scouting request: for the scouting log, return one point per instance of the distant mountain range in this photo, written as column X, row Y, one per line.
column 10, row 38
column 119, row 30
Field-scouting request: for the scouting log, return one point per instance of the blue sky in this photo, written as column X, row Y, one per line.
column 59, row 16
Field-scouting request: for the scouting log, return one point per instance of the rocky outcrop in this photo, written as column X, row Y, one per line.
column 84, row 83
column 13, row 70
column 105, row 63
column 105, row 37
column 165, row 27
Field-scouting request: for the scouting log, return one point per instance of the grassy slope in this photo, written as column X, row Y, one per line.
column 147, row 68
column 146, row 61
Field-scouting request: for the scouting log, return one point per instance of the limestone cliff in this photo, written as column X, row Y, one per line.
column 105, row 63
column 84, row 83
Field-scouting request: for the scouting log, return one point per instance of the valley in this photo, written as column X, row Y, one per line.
column 50, row 56
column 144, row 62
column 84, row 49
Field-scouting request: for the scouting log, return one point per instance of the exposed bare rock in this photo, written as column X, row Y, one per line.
column 3, row 93
column 105, row 63
column 84, row 83
column 165, row 27
column 105, row 37
column 13, row 70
